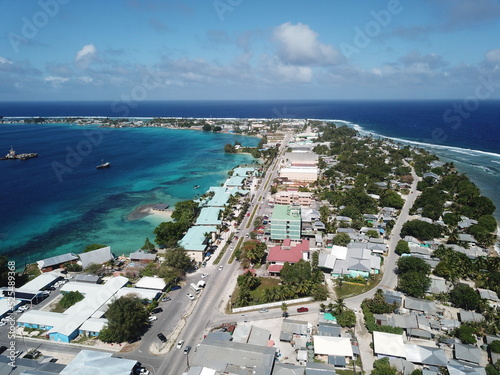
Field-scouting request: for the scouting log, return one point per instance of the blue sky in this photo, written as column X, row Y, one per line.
column 248, row 49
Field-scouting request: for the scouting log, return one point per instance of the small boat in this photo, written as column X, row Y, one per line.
column 196, row 186
column 104, row 165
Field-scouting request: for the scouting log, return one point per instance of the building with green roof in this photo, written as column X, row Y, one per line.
column 286, row 222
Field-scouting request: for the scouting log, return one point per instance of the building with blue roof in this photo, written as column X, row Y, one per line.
column 195, row 242
column 209, row 216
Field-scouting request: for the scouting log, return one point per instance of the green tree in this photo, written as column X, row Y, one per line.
column 341, row 239
column 402, row 248
column 390, row 198
column 372, row 233
column 339, row 307
column 207, row 128
column 248, row 280
column 382, row 366
column 178, row 258
column 229, row 149
column 296, row 273
column 463, row 296
column 170, row 232
column 414, row 284
column 126, row 317
column 347, row 318
column 412, row 264
column 420, row 229
column 466, row 333
column 148, row 246
column 70, row 298
column 495, row 346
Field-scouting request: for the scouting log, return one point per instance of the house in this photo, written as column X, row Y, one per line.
column 99, row 256
column 293, row 197
column 98, row 362
column 196, row 242
column 470, row 316
column 286, row 222
column 291, row 327
column 468, row 353
column 52, row 263
column 142, row 256
column 388, row 345
column 431, row 175
column 64, row 327
column 420, row 305
column 209, row 216
column 356, row 262
column 333, row 346
column 154, row 283
column 299, row 173
column 490, row 296
column 425, row 355
column 287, row 252
column 233, row 357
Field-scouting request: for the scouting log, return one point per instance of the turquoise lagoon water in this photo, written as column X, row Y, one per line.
column 59, row 202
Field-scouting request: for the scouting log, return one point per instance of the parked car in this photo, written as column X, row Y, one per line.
column 152, row 318
column 204, row 275
column 175, row 287
column 190, row 296
column 157, row 310
column 162, row 337
column 165, row 299
column 263, row 310
column 302, row 309
column 2, row 349
column 187, row 349
column 179, row 344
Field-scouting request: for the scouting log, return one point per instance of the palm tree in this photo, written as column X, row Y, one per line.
column 339, row 307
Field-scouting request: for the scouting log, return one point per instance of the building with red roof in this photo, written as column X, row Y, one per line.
column 287, row 252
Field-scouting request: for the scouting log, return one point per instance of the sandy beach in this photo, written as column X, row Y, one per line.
column 146, row 210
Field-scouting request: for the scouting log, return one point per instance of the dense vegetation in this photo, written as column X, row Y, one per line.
column 126, row 317
column 184, row 215
column 413, row 276
column 70, row 298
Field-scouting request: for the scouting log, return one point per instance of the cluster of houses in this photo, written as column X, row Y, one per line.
column 85, row 317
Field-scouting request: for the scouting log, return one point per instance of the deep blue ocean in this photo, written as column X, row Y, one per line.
column 49, row 208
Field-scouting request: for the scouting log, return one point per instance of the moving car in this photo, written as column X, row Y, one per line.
column 221, row 268
column 263, row 310
column 302, row 309
column 190, row 296
column 204, row 275
column 187, row 349
column 179, row 344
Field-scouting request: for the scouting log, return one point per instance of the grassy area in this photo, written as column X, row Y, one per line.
column 349, row 290
column 236, row 248
column 250, row 221
column 257, row 294
column 221, row 253
column 345, row 372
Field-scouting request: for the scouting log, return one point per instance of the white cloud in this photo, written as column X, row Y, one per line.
column 3, row 60
column 86, row 56
column 493, row 56
column 56, row 81
column 299, row 45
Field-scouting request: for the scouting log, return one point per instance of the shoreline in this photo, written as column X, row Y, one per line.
column 145, row 210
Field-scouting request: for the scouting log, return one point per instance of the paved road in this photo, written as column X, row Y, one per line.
column 389, row 279
column 191, row 320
